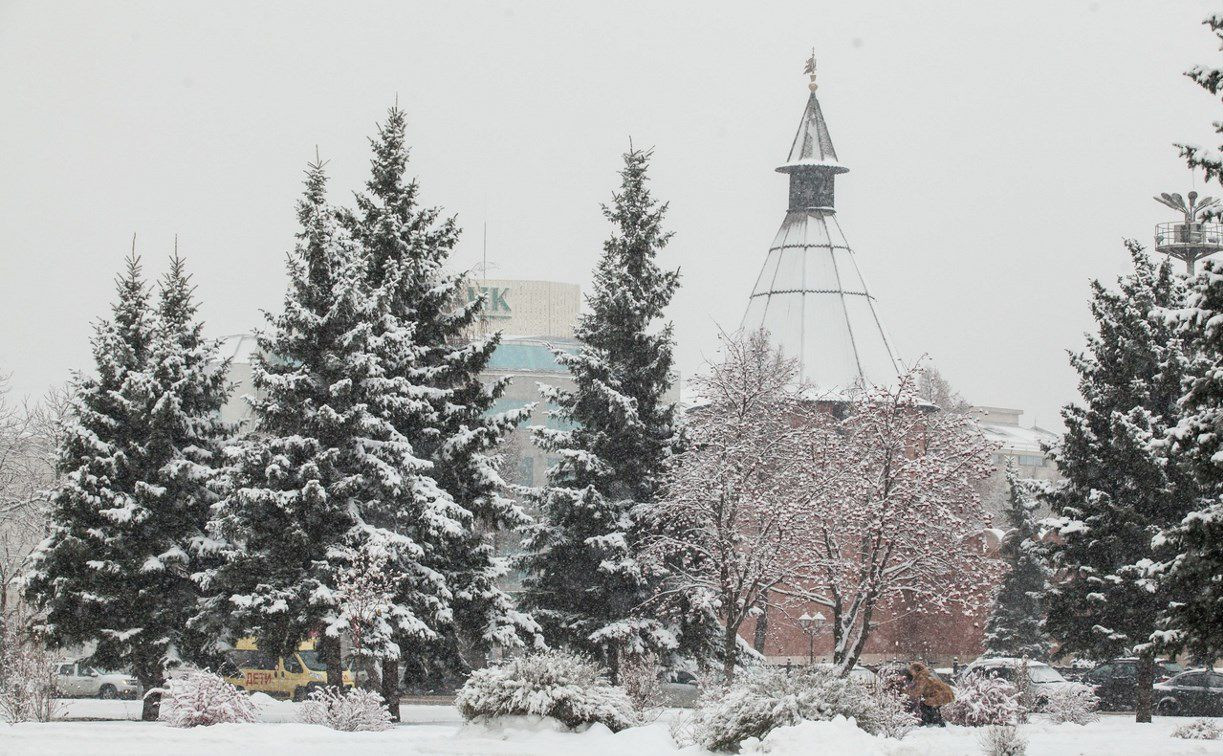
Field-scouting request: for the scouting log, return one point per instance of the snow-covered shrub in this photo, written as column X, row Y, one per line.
column 682, row 729
column 1072, row 703
column 897, row 715
column 1028, row 702
column 765, row 699
column 558, row 684
column 27, row 675
column 201, row 698
column 893, row 677
column 983, row 700
column 1003, row 740
column 1198, row 729
column 352, row 710
column 641, row 678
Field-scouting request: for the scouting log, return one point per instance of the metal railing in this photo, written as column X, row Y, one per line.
column 1189, row 234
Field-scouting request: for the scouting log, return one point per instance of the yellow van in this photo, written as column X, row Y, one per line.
column 285, row 677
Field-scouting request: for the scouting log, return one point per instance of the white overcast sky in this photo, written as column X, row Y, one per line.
column 999, row 152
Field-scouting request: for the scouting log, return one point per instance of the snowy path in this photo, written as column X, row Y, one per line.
column 440, row 730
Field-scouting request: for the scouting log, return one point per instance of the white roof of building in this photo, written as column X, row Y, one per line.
column 1001, row 426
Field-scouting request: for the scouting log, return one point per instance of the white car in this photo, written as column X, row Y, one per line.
column 73, row 680
column 1041, row 677
column 860, row 675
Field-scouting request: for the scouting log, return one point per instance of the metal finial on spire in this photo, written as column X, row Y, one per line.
column 809, row 69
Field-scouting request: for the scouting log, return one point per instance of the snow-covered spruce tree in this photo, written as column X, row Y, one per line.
column 585, row 580
column 1195, row 618
column 327, row 471
column 1016, row 624
column 404, row 248
column 135, row 461
column 1118, row 492
column 1209, row 78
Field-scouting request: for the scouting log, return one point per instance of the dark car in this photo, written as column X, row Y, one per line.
column 1116, row 681
column 1197, row 693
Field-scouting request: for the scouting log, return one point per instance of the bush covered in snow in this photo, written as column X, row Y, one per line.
column 352, row 710
column 641, row 678
column 1003, row 740
column 1198, row 729
column 1074, row 703
column 983, row 700
column 201, row 698
column 565, row 686
column 765, row 699
column 27, row 675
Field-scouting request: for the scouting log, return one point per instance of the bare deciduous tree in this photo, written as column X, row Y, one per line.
column 849, row 502
column 725, row 524
column 28, row 440
column 891, row 510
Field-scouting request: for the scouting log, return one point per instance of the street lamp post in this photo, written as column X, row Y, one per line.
column 812, row 625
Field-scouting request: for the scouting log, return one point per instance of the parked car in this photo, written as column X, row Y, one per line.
column 293, row 676
column 75, row 680
column 681, row 691
column 858, row 674
column 1198, row 692
column 1116, row 681
column 1041, row 677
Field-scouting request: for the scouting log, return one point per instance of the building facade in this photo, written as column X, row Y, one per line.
column 1016, row 445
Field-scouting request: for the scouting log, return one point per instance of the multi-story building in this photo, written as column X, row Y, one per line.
column 1023, row 448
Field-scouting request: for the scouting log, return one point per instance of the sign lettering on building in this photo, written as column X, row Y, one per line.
column 495, row 303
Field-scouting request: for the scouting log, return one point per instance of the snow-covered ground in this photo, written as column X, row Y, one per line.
column 440, row 730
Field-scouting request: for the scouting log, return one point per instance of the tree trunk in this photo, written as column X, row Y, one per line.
column 151, row 706
column 729, row 655
column 613, row 664
column 762, row 624
column 1143, row 694
column 329, row 653
column 390, row 687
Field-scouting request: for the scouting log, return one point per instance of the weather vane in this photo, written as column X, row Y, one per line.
column 810, row 71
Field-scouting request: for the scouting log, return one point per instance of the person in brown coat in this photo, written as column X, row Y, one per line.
column 930, row 693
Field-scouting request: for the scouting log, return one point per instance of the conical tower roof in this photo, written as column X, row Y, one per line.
column 812, row 145
column 810, row 295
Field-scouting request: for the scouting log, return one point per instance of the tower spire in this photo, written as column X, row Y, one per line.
column 810, row 295
column 812, row 161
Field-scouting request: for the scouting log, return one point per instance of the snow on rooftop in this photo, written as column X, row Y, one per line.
column 1001, row 426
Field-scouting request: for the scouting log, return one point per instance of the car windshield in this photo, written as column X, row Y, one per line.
column 1043, row 674
column 312, row 661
